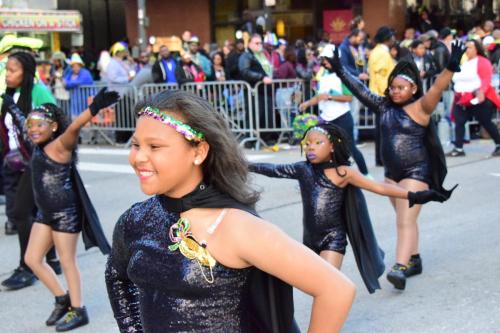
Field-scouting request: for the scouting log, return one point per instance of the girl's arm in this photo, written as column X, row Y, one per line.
column 356, row 86
column 429, row 101
column 275, row 170
column 123, row 293
column 266, row 247
column 67, row 141
column 355, row 178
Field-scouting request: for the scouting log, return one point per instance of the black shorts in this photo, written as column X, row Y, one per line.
column 69, row 220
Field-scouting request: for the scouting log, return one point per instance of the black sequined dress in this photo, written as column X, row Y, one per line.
column 322, row 204
column 55, row 193
column 153, row 289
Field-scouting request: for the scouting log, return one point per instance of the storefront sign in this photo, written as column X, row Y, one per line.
column 40, row 20
column 336, row 24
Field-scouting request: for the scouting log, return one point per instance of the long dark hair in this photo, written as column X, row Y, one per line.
column 406, row 67
column 479, row 47
column 341, row 146
column 28, row 64
column 225, row 166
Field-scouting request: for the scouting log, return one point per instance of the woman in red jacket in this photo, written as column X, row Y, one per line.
column 474, row 97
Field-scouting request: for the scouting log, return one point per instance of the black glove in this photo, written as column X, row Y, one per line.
column 457, row 50
column 102, row 100
column 8, row 101
column 422, row 197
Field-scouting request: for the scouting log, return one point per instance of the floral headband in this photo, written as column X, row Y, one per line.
column 187, row 131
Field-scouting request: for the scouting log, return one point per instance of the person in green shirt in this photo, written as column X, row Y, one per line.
column 20, row 205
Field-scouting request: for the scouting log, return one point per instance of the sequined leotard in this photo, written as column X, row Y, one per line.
column 55, row 195
column 403, row 149
column 152, row 289
column 322, row 203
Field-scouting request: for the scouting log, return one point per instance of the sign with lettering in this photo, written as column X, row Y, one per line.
column 40, row 20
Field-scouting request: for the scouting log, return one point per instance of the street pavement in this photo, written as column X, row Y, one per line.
column 460, row 245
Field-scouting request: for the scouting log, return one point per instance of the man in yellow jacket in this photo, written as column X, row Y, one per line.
column 380, row 65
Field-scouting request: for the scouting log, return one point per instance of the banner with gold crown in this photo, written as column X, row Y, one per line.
column 336, row 24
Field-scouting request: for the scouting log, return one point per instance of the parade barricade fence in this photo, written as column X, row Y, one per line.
column 233, row 101
column 252, row 114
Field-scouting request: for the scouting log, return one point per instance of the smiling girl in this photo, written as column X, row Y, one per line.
column 195, row 256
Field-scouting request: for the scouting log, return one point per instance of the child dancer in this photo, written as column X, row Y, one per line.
column 192, row 257
column 63, row 205
column 332, row 207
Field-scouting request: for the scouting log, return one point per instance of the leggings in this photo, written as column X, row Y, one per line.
column 482, row 112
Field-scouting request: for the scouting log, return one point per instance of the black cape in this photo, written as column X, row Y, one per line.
column 369, row 257
column 92, row 233
column 271, row 299
column 437, row 160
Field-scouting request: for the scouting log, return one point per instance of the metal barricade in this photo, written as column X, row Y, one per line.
column 233, row 101
column 276, row 105
column 151, row 89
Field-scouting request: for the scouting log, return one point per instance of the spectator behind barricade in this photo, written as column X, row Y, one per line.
column 200, row 59
column 380, row 65
column 254, row 67
column 102, row 64
column 286, row 70
column 59, row 70
column 278, row 55
column 409, row 36
column 233, row 59
column 187, row 71
column 424, row 62
column 144, row 76
column 488, row 38
column 118, row 71
column 424, row 22
column 219, row 66
column 79, row 76
column 494, row 50
column 141, row 61
column 441, row 51
column 350, row 53
column 165, row 67
column 186, row 37
column 227, row 48
column 474, row 96
column 306, row 63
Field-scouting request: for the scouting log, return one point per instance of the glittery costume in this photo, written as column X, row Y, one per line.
column 409, row 150
column 60, row 196
column 154, row 289
column 322, row 201
column 330, row 213
column 55, row 193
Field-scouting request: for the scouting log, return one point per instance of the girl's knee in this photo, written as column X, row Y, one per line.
column 33, row 261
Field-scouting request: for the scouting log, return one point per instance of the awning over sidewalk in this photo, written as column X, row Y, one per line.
column 40, row 20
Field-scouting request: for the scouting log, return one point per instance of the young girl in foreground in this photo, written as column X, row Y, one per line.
column 59, row 201
column 191, row 257
column 331, row 207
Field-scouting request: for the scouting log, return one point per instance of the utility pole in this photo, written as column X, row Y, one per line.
column 143, row 23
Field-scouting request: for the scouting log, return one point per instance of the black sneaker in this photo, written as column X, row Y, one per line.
column 414, row 266
column 62, row 306
column 56, row 266
column 397, row 276
column 496, row 152
column 10, row 228
column 455, row 153
column 74, row 318
column 21, row 278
